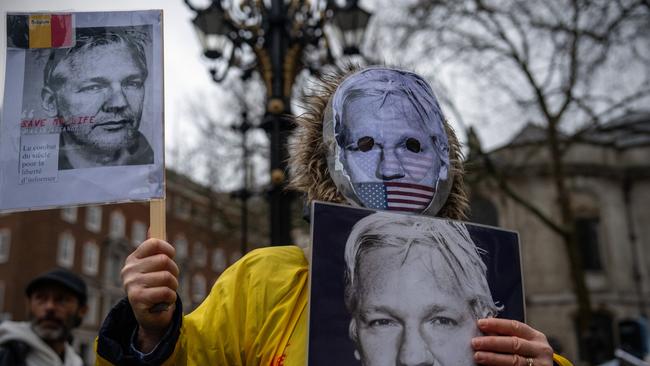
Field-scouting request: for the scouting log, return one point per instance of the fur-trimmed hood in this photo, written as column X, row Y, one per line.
column 308, row 152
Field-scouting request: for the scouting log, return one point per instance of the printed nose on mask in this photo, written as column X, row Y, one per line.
column 389, row 165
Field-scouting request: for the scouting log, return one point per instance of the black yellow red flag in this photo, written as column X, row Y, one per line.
column 40, row 30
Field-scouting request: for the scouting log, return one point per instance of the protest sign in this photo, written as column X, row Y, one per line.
column 82, row 119
column 380, row 279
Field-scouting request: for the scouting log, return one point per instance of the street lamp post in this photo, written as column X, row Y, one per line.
column 274, row 40
column 243, row 193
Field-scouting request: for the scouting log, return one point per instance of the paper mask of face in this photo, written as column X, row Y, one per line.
column 386, row 141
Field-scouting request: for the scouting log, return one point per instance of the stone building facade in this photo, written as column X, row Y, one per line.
column 608, row 174
column 94, row 241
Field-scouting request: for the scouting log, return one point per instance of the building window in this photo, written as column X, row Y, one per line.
column 113, row 268
column 117, row 226
column 200, row 254
column 92, row 317
column 184, row 287
column 69, row 214
column 65, row 252
column 181, row 247
column 94, row 218
column 201, row 216
column 138, row 233
column 198, row 287
column 219, row 260
column 91, row 258
column 587, row 236
column 217, row 224
column 182, row 208
column 5, row 244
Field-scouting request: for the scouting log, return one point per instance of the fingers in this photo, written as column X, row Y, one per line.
column 153, row 263
column 496, row 359
column 150, row 276
column 508, row 327
column 154, row 246
column 158, row 279
column 511, row 343
column 501, row 344
column 142, row 299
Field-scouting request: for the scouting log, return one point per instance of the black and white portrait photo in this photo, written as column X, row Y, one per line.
column 396, row 289
column 95, row 91
column 83, row 117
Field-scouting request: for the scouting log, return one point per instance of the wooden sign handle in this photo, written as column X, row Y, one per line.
column 157, row 230
column 157, row 219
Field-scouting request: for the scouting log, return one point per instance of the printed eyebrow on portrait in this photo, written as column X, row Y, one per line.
column 430, row 310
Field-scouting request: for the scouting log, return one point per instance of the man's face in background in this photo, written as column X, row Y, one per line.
column 409, row 310
column 54, row 311
column 99, row 94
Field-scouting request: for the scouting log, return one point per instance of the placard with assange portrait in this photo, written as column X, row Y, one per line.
column 82, row 120
column 390, row 288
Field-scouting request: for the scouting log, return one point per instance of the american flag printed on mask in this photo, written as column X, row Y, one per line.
column 395, row 196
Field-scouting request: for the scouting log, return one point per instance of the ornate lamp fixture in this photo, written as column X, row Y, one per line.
column 277, row 38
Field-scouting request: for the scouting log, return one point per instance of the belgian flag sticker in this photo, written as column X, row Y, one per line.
column 40, row 30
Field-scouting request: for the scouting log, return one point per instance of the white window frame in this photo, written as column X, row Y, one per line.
column 69, row 214
column 138, row 232
column 219, row 260
column 199, row 286
column 90, row 259
column 200, row 254
column 182, row 208
column 65, row 250
column 94, row 218
column 92, row 315
column 181, row 244
column 117, row 225
column 5, row 244
column 217, row 224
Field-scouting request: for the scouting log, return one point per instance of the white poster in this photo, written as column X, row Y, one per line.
column 82, row 116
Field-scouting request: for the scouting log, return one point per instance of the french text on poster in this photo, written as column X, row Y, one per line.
column 83, row 116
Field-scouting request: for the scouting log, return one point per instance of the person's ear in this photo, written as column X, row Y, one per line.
column 48, row 97
column 352, row 330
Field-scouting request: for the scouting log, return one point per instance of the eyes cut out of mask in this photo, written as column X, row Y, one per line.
column 366, row 144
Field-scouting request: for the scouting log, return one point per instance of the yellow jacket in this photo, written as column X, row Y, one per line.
column 256, row 314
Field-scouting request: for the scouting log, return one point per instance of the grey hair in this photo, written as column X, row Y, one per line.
column 449, row 238
column 87, row 38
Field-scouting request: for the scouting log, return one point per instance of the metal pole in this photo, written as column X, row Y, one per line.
column 277, row 127
column 245, row 194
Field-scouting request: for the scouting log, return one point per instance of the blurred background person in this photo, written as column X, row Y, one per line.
column 56, row 304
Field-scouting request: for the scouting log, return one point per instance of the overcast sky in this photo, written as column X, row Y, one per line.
column 185, row 74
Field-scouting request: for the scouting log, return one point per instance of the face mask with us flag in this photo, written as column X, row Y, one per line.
column 388, row 146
